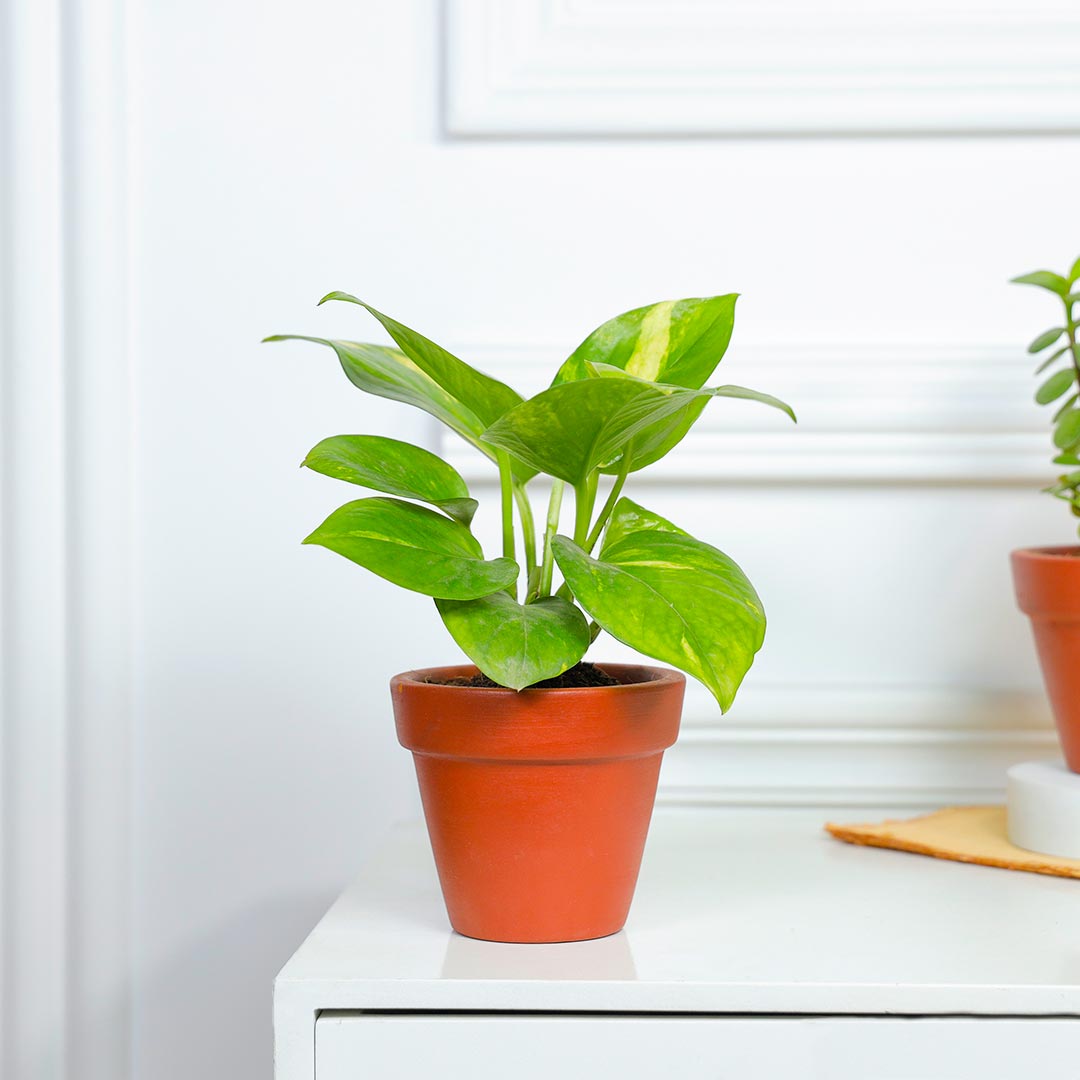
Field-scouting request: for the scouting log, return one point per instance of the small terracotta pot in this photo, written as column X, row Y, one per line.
column 1048, row 589
column 538, row 802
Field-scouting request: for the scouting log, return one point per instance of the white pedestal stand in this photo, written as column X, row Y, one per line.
column 1043, row 799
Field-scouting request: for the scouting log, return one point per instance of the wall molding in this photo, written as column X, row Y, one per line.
column 65, row 501
column 896, row 414
column 742, row 766
column 854, row 745
column 691, row 67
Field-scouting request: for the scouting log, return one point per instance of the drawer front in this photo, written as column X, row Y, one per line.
column 360, row 1046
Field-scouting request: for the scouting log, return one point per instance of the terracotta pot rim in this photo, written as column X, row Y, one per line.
column 1050, row 553
column 656, row 676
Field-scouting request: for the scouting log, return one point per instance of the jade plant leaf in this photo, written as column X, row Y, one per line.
column 669, row 596
column 1056, row 355
column 571, row 429
column 396, row 467
column 676, row 341
column 517, row 644
column 1046, row 339
column 1045, row 279
column 1056, row 386
column 1064, row 406
column 1067, row 431
column 414, row 547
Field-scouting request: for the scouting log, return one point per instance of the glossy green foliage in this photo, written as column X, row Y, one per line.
column 485, row 397
column 415, row 548
column 671, row 597
column 625, row 397
column 396, row 467
column 517, row 644
column 676, row 343
column 422, row 374
column 576, row 428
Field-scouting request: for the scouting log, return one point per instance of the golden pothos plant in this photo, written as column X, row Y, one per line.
column 625, row 397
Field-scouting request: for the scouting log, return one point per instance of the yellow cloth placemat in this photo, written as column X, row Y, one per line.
column 971, row 834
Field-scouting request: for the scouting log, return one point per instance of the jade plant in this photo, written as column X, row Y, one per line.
column 1062, row 387
column 625, row 397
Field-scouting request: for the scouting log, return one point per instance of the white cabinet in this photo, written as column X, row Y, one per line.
column 357, row 1047
column 757, row 947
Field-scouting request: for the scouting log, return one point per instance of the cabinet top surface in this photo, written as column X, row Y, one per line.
column 736, row 911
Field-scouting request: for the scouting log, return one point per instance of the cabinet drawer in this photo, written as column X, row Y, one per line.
column 418, row 1046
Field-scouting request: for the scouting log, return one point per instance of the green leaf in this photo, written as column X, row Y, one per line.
column 1067, row 459
column 670, row 597
column 422, row 374
column 1050, row 359
column 676, row 341
column 486, row 397
column 398, row 468
column 1065, row 405
column 628, row 517
column 571, row 429
column 517, row 644
column 415, row 548
column 388, row 373
column 1074, row 273
column 1046, row 339
column 1044, row 279
column 1058, row 384
column 1067, row 432
column 566, row 431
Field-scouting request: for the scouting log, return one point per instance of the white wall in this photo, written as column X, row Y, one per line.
column 264, row 153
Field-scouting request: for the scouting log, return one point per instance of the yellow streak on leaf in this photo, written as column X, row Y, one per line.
column 652, row 342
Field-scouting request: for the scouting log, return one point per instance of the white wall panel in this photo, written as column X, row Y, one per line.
column 65, row 491
column 309, row 154
column 692, row 67
column 254, row 156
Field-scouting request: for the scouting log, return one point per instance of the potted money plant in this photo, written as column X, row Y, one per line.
column 537, row 769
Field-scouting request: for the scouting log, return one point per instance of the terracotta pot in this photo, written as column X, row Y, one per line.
column 538, row 802
column 1048, row 589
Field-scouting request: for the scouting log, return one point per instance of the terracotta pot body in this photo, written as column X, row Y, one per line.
column 538, row 803
column 1048, row 589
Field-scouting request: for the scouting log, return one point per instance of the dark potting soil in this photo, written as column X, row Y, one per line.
column 580, row 675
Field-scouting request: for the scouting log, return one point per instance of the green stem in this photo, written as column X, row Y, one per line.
column 1070, row 330
column 547, row 565
column 612, row 499
column 584, row 501
column 506, row 488
column 528, row 535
